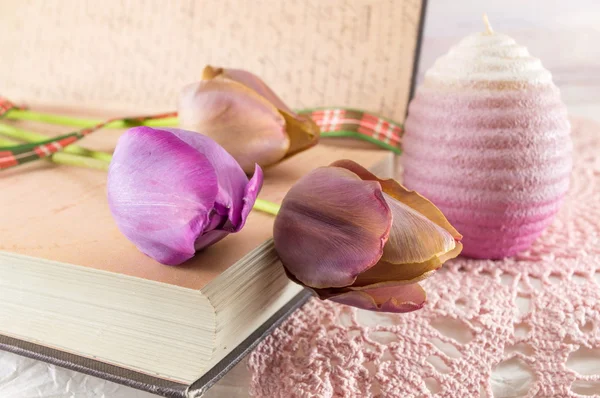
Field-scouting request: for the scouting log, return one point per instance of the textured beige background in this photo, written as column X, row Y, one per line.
column 135, row 55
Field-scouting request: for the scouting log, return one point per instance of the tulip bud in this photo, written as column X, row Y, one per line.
column 240, row 112
column 361, row 241
column 173, row 192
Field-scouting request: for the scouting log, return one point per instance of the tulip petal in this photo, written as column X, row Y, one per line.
column 303, row 132
column 400, row 193
column 385, row 273
column 413, row 237
column 331, row 227
column 160, row 192
column 250, row 194
column 249, row 80
column 400, row 298
column 209, row 238
column 232, row 180
column 452, row 253
column 248, row 126
column 402, row 273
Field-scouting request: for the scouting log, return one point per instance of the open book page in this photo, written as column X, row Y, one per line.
column 135, row 55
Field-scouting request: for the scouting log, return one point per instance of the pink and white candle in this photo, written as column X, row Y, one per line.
column 487, row 139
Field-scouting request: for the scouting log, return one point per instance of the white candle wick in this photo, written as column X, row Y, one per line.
column 488, row 26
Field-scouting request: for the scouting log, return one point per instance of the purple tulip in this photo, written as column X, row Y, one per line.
column 241, row 113
column 362, row 241
column 173, row 192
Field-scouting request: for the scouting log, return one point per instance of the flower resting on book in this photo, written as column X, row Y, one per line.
column 173, row 192
column 241, row 113
column 361, row 241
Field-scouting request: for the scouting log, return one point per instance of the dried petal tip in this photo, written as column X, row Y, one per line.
column 210, row 73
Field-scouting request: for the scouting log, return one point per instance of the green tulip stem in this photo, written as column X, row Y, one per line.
column 62, row 120
column 7, row 142
column 68, row 159
column 28, row 136
column 266, row 207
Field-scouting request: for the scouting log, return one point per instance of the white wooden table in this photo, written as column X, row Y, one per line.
column 563, row 34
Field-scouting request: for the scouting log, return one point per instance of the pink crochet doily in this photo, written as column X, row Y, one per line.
column 530, row 317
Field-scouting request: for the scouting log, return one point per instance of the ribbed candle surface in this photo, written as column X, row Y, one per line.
column 487, row 140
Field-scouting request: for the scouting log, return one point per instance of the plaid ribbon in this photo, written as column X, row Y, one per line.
column 6, row 105
column 19, row 154
column 344, row 122
column 360, row 122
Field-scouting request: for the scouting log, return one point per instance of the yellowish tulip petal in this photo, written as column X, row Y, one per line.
column 386, row 273
column 413, row 237
column 452, row 253
column 410, row 198
column 405, row 273
column 248, row 126
column 420, row 204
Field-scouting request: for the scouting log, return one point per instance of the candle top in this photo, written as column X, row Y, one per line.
column 487, row 60
column 488, row 26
